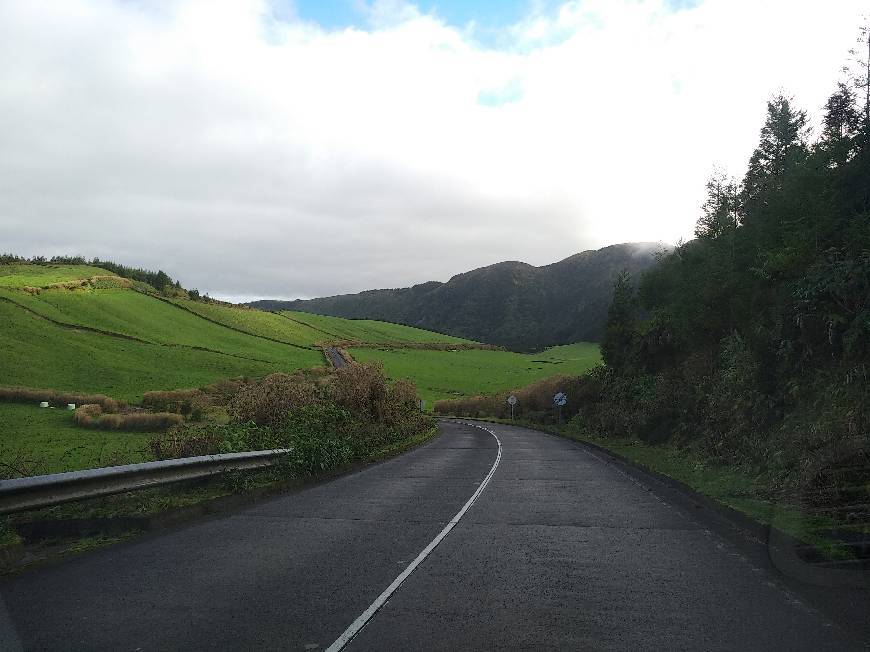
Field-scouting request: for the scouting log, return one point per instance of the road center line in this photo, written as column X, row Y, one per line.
column 379, row 602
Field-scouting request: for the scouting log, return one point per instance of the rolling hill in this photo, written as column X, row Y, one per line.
column 79, row 328
column 511, row 304
column 85, row 329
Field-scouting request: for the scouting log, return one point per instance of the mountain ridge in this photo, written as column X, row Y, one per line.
column 511, row 303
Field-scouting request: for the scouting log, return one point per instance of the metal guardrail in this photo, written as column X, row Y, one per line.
column 21, row 494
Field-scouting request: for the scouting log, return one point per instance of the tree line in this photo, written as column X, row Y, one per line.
column 750, row 343
column 755, row 335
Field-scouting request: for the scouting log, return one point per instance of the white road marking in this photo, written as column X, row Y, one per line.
column 379, row 602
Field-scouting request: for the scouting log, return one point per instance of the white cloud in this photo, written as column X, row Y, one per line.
column 253, row 156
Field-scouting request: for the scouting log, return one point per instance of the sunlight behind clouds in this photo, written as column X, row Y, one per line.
column 250, row 153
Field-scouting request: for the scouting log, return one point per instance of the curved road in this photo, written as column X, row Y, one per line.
column 561, row 550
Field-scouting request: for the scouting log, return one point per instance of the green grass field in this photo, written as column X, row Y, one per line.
column 256, row 322
column 152, row 320
column 449, row 374
column 45, row 440
column 37, row 353
column 367, row 330
column 24, row 275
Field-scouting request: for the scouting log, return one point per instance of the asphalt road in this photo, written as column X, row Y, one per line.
column 561, row 550
column 335, row 357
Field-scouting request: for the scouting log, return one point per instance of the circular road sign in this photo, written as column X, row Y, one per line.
column 560, row 399
column 512, row 400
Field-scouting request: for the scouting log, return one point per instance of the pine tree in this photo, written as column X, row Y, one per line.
column 620, row 329
column 782, row 144
column 720, row 210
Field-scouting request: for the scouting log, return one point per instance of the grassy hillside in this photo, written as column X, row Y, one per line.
column 450, row 374
column 38, row 353
column 123, row 342
column 26, row 275
column 368, row 330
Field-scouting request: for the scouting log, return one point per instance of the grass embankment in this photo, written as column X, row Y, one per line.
column 746, row 489
column 452, row 374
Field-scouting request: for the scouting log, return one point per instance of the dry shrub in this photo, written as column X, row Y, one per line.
column 85, row 415
column 91, row 416
column 188, row 402
column 58, row 399
column 221, row 392
column 268, row 402
column 361, row 389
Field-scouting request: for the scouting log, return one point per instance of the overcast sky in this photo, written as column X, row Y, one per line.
column 277, row 149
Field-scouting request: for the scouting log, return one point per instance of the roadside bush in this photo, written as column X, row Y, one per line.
column 268, row 402
column 222, row 391
column 328, row 418
column 361, row 389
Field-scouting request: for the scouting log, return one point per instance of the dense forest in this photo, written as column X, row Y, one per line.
column 751, row 342
column 511, row 304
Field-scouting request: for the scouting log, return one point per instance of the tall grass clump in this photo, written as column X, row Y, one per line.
column 92, row 416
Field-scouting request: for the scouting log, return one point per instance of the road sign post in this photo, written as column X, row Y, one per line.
column 560, row 399
column 512, row 400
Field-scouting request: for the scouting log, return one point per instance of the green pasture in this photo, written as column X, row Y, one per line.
column 144, row 317
column 367, row 330
column 37, row 353
column 451, row 374
column 36, row 440
column 256, row 322
column 17, row 275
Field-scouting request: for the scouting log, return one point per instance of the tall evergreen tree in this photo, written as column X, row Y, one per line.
column 782, row 144
column 840, row 125
column 720, row 210
column 620, row 329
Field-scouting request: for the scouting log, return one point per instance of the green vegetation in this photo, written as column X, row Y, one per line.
column 38, row 353
column 37, row 440
column 746, row 489
column 18, row 275
column 510, row 304
column 750, row 345
column 449, row 374
column 367, row 330
column 72, row 267
column 125, row 344
column 152, row 320
column 256, row 322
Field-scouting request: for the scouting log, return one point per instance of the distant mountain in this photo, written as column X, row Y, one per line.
column 512, row 304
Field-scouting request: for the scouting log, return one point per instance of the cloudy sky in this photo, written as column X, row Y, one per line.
column 257, row 148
